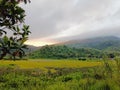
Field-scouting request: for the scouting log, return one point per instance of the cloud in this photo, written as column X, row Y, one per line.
column 52, row 19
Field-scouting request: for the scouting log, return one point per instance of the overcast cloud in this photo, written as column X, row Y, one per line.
column 54, row 20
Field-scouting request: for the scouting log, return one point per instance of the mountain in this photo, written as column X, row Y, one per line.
column 86, row 48
column 101, row 43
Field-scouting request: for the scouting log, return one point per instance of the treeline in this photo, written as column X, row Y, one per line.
column 64, row 52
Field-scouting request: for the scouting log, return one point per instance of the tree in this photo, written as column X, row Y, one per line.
column 111, row 55
column 11, row 17
column 25, row 1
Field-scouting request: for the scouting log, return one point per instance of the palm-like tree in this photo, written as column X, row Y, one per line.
column 11, row 15
column 14, row 46
column 17, row 48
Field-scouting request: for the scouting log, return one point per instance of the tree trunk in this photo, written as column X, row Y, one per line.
column 3, row 55
column 14, row 58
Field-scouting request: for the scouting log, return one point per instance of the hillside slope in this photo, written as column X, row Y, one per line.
column 101, row 43
column 64, row 52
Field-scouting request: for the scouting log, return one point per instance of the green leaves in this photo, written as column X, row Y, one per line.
column 11, row 16
column 15, row 44
column 5, row 39
column 25, row 1
column 2, row 32
column 10, row 13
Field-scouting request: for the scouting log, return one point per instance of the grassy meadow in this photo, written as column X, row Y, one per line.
column 43, row 64
column 59, row 75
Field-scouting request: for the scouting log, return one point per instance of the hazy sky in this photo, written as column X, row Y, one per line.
column 52, row 21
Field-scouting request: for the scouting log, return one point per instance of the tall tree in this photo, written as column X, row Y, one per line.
column 11, row 16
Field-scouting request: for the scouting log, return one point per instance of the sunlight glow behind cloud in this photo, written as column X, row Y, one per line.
column 39, row 42
column 63, row 19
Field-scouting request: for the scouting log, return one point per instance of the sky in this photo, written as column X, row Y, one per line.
column 54, row 21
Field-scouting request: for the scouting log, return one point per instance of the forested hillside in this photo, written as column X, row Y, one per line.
column 89, row 48
column 65, row 52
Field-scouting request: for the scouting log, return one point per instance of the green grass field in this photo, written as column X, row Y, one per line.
column 59, row 75
column 42, row 64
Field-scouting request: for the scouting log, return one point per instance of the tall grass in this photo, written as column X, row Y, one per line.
column 101, row 77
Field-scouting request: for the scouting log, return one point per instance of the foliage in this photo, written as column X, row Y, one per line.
column 25, row 1
column 11, row 16
column 64, row 52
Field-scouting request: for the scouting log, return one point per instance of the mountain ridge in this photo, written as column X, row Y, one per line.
column 100, row 43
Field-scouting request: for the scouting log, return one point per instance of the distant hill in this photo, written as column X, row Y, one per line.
column 64, row 52
column 101, row 43
column 87, row 48
column 32, row 48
